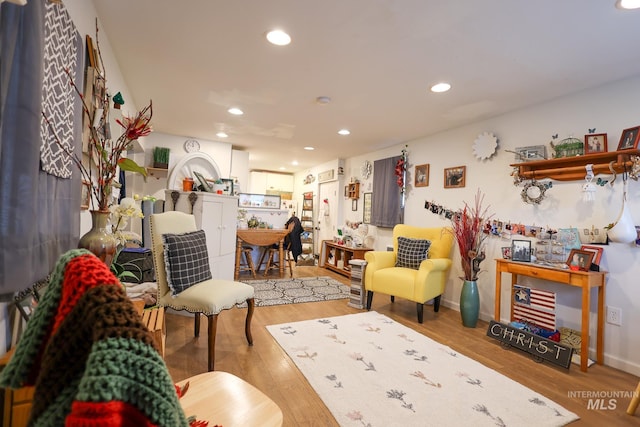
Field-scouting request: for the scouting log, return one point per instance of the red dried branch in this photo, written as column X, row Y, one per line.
column 468, row 232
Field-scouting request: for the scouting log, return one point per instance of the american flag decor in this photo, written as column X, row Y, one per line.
column 535, row 306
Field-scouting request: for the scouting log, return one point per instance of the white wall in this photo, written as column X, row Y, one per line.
column 563, row 207
column 84, row 15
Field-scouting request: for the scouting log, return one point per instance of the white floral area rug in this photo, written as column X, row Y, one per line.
column 372, row 371
column 297, row 290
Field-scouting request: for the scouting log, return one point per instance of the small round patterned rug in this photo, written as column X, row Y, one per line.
column 297, row 290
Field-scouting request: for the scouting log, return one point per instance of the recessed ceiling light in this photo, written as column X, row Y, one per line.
column 222, row 135
column 344, row 132
column 323, row 100
column 628, row 4
column 278, row 37
column 282, row 168
column 235, row 111
column 294, row 163
column 309, row 148
column 440, row 87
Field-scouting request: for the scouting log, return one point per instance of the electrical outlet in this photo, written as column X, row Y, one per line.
column 614, row 315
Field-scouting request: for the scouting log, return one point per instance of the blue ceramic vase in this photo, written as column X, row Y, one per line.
column 469, row 303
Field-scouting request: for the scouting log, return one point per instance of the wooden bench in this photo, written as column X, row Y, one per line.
column 153, row 319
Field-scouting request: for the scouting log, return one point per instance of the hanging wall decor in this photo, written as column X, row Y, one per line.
column 533, row 191
column 485, row 145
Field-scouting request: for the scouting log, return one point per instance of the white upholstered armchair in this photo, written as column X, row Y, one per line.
column 184, row 278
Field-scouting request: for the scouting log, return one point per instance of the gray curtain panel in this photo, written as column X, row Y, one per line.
column 39, row 213
column 386, row 200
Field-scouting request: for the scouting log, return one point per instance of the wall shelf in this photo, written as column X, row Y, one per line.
column 573, row 168
column 353, row 190
column 157, row 172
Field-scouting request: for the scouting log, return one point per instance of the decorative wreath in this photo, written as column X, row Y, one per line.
column 536, row 195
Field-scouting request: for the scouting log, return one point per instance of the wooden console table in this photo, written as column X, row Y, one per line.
column 341, row 253
column 582, row 279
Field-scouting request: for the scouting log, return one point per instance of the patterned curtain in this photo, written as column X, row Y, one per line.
column 39, row 213
column 386, row 206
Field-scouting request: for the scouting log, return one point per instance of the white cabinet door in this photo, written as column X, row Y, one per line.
column 212, row 226
column 217, row 216
column 229, row 223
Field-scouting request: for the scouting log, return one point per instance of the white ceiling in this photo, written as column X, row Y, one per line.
column 375, row 59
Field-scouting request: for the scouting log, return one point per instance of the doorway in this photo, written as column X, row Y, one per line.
column 328, row 212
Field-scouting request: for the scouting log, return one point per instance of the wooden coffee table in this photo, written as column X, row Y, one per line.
column 224, row 399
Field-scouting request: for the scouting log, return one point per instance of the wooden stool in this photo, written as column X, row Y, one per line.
column 274, row 263
column 247, row 264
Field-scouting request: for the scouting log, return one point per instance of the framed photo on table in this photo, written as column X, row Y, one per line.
column 595, row 143
column 521, row 250
column 228, row 186
column 629, row 138
column 597, row 253
column 580, row 260
column 506, row 252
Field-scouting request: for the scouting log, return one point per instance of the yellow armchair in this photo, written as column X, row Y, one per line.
column 419, row 285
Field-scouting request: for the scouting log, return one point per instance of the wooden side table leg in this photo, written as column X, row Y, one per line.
column 600, row 335
column 498, row 295
column 584, row 349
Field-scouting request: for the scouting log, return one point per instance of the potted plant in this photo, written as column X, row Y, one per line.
column 161, row 157
column 469, row 233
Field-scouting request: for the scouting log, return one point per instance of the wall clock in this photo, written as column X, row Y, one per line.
column 191, row 146
column 366, row 169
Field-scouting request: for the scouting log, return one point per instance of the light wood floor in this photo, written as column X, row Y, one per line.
column 266, row 366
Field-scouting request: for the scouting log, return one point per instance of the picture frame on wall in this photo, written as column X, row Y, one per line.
column 85, row 198
column 595, row 143
column 455, row 177
column 530, row 153
column 521, row 250
column 421, row 178
column 354, row 205
column 580, row 260
column 629, row 138
column 366, row 208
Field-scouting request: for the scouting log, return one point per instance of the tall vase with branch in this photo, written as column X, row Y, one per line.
column 468, row 228
column 106, row 159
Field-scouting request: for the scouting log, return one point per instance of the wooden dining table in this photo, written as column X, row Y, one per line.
column 260, row 237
